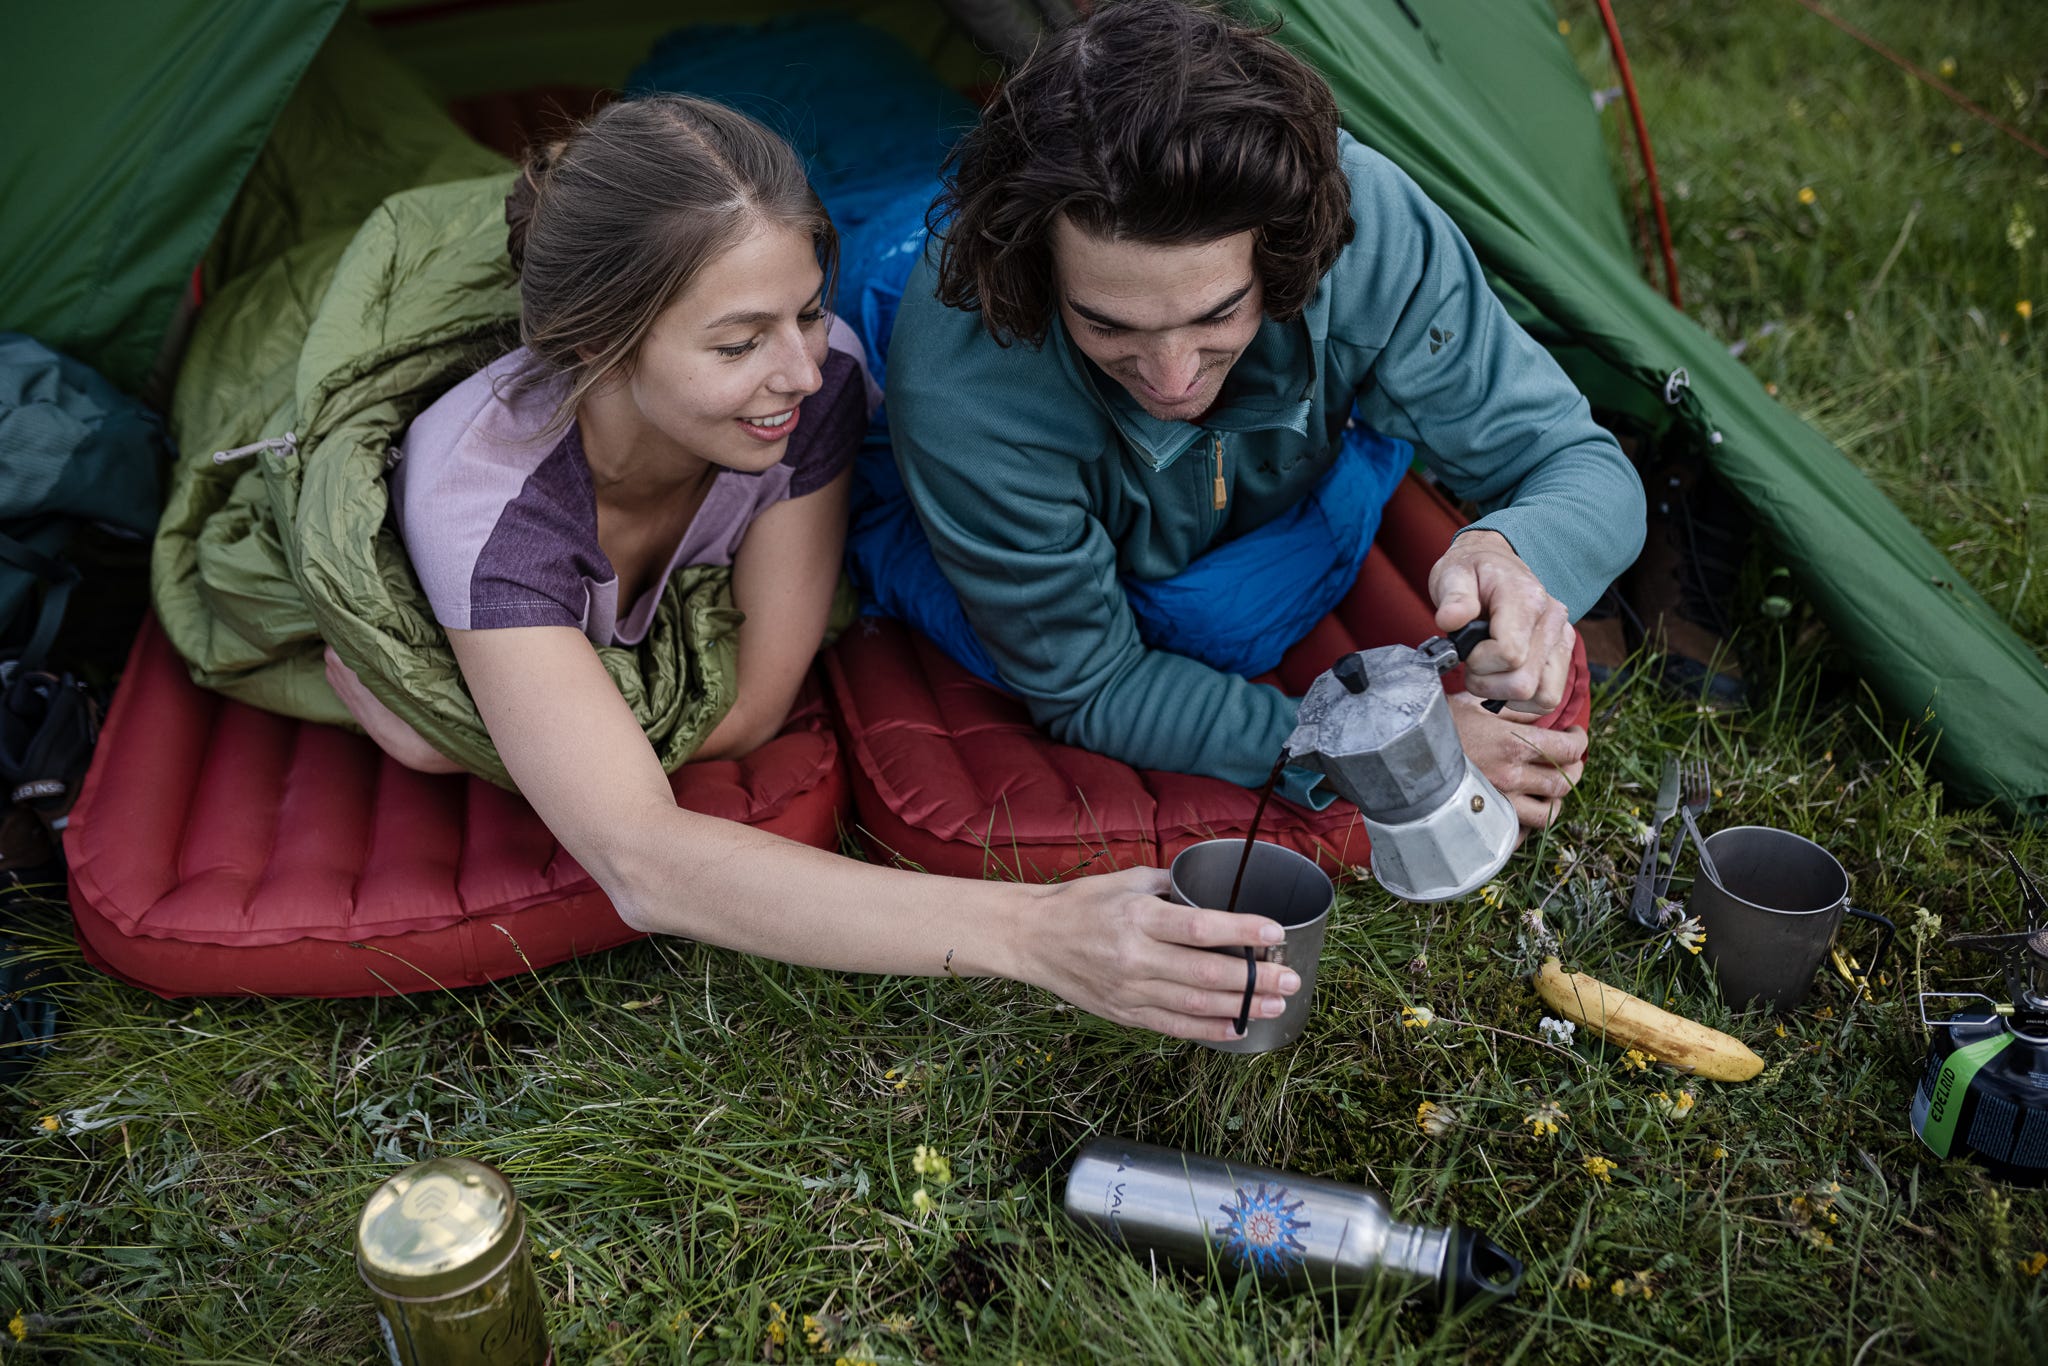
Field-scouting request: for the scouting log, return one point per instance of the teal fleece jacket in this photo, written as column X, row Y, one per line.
column 1039, row 480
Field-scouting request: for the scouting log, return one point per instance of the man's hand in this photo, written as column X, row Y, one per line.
column 1534, row 768
column 1528, row 659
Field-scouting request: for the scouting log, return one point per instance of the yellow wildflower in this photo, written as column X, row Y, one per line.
column 1955, row 149
column 930, row 1162
column 1806, row 194
column 2025, row 308
column 1636, row 1060
column 1602, row 1169
column 1564, row 26
column 2032, row 1266
column 1674, row 1107
column 1434, row 1119
column 49, row 1123
column 815, row 1332
column 1579, row 1280
column 778, row 1323
column 921, row 1200
column 1638, row 1284
column 1781, row 1031
column 861, row 1360
column 898, row 1323
column 18, row 1326
column 1946, row 68
column 1718, row 1154
column 1493, row 895
column 1544, row 1119
column 555, row 1256
column 1690, row 934
column 1417, row 1017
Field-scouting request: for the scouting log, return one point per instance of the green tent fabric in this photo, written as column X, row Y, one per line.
column 1479, row 102
column 133, row 138
column 344, row 308
column 129, row 131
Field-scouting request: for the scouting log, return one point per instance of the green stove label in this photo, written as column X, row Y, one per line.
column 1945, row 1097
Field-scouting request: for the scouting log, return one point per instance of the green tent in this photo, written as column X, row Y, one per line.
column 133, row 134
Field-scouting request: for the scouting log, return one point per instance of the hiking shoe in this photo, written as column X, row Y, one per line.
column 1680, row 589
column 48, row 724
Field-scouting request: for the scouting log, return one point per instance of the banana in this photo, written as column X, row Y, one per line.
column 1629, row 1022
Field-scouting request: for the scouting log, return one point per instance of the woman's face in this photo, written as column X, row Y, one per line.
column 725, row 368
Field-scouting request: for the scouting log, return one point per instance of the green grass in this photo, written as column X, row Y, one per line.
column 700, row 1136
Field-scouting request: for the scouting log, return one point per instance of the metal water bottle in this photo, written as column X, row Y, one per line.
column 1278, row 1225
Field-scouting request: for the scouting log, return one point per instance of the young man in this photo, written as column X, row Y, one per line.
column 1165, row 296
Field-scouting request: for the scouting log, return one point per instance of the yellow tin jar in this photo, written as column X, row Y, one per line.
column 442, row 1246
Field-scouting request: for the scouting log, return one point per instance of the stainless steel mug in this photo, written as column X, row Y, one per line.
column 1281, row 885
column 1280, row 1226
column 1773, row 914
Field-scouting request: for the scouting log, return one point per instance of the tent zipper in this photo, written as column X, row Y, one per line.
column 288, row 444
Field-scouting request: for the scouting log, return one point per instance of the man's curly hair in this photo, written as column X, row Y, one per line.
column 1148, row 121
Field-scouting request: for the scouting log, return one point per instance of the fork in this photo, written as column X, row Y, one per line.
column 1642, row 907
column 1696, row 788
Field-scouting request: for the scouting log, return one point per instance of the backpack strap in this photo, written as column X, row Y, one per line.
column 59, row 579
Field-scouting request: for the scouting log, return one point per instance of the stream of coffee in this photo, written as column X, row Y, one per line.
column 1251, row 836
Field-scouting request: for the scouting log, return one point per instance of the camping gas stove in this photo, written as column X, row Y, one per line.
column 1985, row 1092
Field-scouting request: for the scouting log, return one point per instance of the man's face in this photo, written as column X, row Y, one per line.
column 1167, row 322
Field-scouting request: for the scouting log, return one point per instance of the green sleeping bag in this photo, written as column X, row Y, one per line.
column 345, row 304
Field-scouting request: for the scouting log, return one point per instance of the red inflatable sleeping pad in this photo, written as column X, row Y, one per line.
column 218, row 850
column 950, row 775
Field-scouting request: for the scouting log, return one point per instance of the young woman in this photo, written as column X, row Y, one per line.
column 684, row 398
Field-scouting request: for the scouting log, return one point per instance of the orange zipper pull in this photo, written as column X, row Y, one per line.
column 1222, row 489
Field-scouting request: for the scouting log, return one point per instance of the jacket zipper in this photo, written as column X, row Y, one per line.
column 1222, row 493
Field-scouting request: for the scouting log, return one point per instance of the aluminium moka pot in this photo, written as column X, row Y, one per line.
column 1279, row 1226
column 1378, row 726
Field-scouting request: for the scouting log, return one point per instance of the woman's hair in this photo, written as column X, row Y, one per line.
column 1149, row 121
column 610, row 224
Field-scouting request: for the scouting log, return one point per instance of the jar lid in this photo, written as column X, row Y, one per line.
column 437, row 1227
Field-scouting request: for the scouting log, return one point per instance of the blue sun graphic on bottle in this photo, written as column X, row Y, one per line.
column 1260, row 1229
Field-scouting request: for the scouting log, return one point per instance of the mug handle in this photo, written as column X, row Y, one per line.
column 1847, row 968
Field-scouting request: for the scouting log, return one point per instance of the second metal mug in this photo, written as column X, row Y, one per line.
column 1773, row 915
column 1281, row 885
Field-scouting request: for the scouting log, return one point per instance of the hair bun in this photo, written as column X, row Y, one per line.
column 525, row 196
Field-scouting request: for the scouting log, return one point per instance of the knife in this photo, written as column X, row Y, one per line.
column 1642, row 906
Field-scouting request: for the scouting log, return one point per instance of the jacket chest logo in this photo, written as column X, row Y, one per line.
column 1439, row 338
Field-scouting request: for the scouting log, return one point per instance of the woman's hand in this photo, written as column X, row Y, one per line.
column 1113, row 946
column 392, row 735
column 1534, row 768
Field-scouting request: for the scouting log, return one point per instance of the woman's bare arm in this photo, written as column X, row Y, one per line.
column 1108, row 944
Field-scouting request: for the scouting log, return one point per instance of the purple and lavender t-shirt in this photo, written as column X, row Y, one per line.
column 500, row 521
